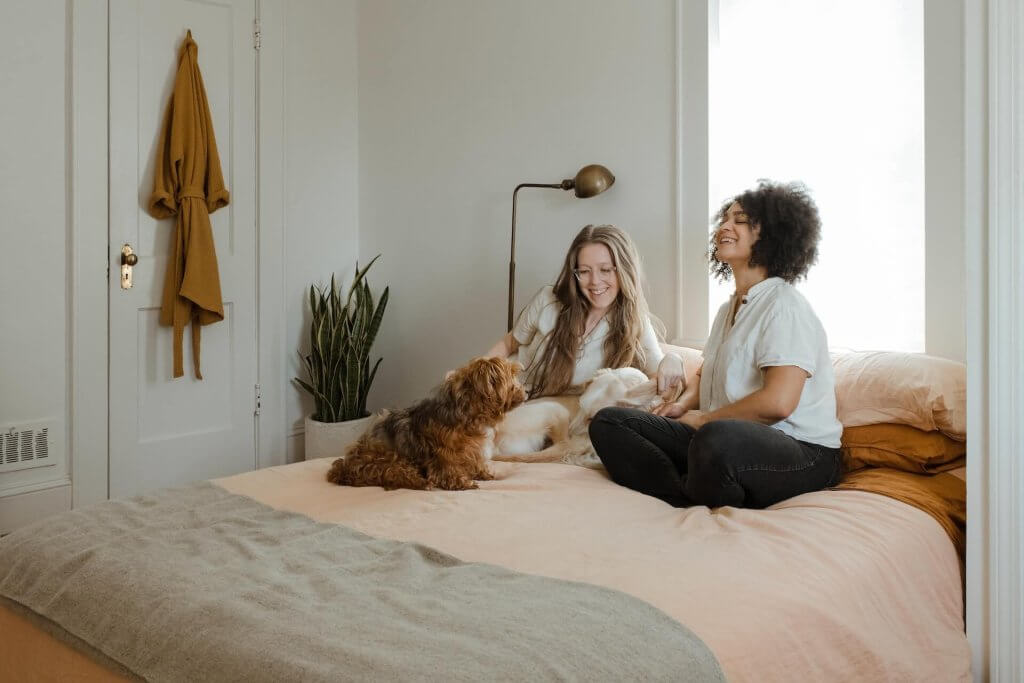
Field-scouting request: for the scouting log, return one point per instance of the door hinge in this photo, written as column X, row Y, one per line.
column 259, row 399
column 257, row 37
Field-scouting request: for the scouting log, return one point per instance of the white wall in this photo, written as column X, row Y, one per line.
column 49, row 226
column 321, row 153
column 461, row 100
column 34, row 233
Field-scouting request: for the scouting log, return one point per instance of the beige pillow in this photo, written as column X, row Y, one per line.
column 914, row 389
column 692, row 359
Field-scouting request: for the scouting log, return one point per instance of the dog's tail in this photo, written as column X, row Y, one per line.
column 553, row 453
column 373, row 468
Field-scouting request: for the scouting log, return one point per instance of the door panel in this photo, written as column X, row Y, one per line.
column 166, row 431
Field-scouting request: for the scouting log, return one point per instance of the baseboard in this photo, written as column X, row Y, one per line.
column 295, row 448
column 23, row 508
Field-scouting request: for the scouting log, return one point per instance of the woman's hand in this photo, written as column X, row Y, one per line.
column 693, row 418
column 505, row 347
column 671, row 410
column 671, row 381
column 679, row 413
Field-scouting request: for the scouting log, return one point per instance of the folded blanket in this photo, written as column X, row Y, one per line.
column 197, row 583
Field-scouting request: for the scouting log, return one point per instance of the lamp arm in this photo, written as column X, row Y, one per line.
column 512, row 251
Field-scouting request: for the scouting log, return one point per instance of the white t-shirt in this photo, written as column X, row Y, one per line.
column 537, row 321
column 774, row 326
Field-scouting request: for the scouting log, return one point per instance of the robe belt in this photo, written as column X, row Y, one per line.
column 191, row 191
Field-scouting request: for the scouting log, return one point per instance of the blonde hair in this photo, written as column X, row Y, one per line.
column 552, row 372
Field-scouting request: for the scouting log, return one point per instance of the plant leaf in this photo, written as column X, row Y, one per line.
column 342, row 332
column 378, row 315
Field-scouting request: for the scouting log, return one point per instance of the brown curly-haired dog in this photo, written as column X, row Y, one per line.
column 442, row 441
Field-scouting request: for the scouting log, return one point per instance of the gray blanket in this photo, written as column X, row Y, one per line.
column 198, row 584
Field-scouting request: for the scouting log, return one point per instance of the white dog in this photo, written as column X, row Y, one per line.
column 564, row 421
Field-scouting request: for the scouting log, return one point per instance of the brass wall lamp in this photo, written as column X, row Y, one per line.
column 590, row 181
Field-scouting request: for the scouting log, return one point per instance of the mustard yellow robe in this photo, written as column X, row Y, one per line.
column 188, row 184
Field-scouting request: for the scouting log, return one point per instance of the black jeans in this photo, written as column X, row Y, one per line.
column 726, row 462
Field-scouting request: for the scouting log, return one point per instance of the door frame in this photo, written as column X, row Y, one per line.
column 92, row 256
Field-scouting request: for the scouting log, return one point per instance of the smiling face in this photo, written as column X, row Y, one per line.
column 735, row 237
column 596, row 275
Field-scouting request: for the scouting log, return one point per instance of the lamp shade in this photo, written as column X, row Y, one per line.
column 592, row 180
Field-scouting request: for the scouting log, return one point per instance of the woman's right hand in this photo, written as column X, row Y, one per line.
column 670, row 410
column 505, row 347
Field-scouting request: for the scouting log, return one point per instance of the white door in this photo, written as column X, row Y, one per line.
column 166, row 431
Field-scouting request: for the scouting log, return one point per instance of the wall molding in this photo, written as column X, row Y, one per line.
column 1005, row 373
column 27, row 506
column 271, row 435
column 36, row 486
column 976, row 597
column 994, row 164
column 88, row 259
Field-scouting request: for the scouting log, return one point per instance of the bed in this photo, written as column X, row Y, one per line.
column 552, row 572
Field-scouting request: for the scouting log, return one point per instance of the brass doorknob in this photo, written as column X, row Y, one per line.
column 128, row 259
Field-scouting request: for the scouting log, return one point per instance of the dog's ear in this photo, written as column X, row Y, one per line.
column 488, row 375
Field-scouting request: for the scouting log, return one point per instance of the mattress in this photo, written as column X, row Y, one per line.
column 831, row 585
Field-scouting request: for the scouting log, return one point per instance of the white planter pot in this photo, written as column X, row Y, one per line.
column 329, row 439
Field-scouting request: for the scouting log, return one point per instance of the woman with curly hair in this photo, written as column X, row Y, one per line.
column 594, row 317
column 759, row 425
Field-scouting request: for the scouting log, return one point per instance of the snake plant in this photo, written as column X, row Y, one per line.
column 340, row 337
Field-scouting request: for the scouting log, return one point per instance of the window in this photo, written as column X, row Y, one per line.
column 831, row 94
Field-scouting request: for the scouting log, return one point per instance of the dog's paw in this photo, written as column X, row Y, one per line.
column 455, row 484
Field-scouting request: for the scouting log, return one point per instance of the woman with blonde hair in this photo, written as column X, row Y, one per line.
column 595, row 316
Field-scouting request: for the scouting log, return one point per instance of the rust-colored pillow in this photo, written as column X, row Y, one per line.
column 901, row 447
column 914, row 389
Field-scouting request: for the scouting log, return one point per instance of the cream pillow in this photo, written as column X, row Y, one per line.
column 914, row 389
column 692, row 359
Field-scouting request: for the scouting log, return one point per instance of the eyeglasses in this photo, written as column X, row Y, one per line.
column 604, row 273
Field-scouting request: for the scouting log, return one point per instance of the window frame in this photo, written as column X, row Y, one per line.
column 945, row 277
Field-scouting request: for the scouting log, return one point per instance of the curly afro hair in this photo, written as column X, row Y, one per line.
column 790, row 230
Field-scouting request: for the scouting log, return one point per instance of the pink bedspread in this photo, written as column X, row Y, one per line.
column 827, row 586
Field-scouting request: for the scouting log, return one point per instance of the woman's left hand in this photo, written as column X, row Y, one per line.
column 671, row 381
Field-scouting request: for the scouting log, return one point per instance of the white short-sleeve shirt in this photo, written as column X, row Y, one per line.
column 537, row 321
column 774, row 326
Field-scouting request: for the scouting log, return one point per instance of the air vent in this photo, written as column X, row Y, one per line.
column 25, row 445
